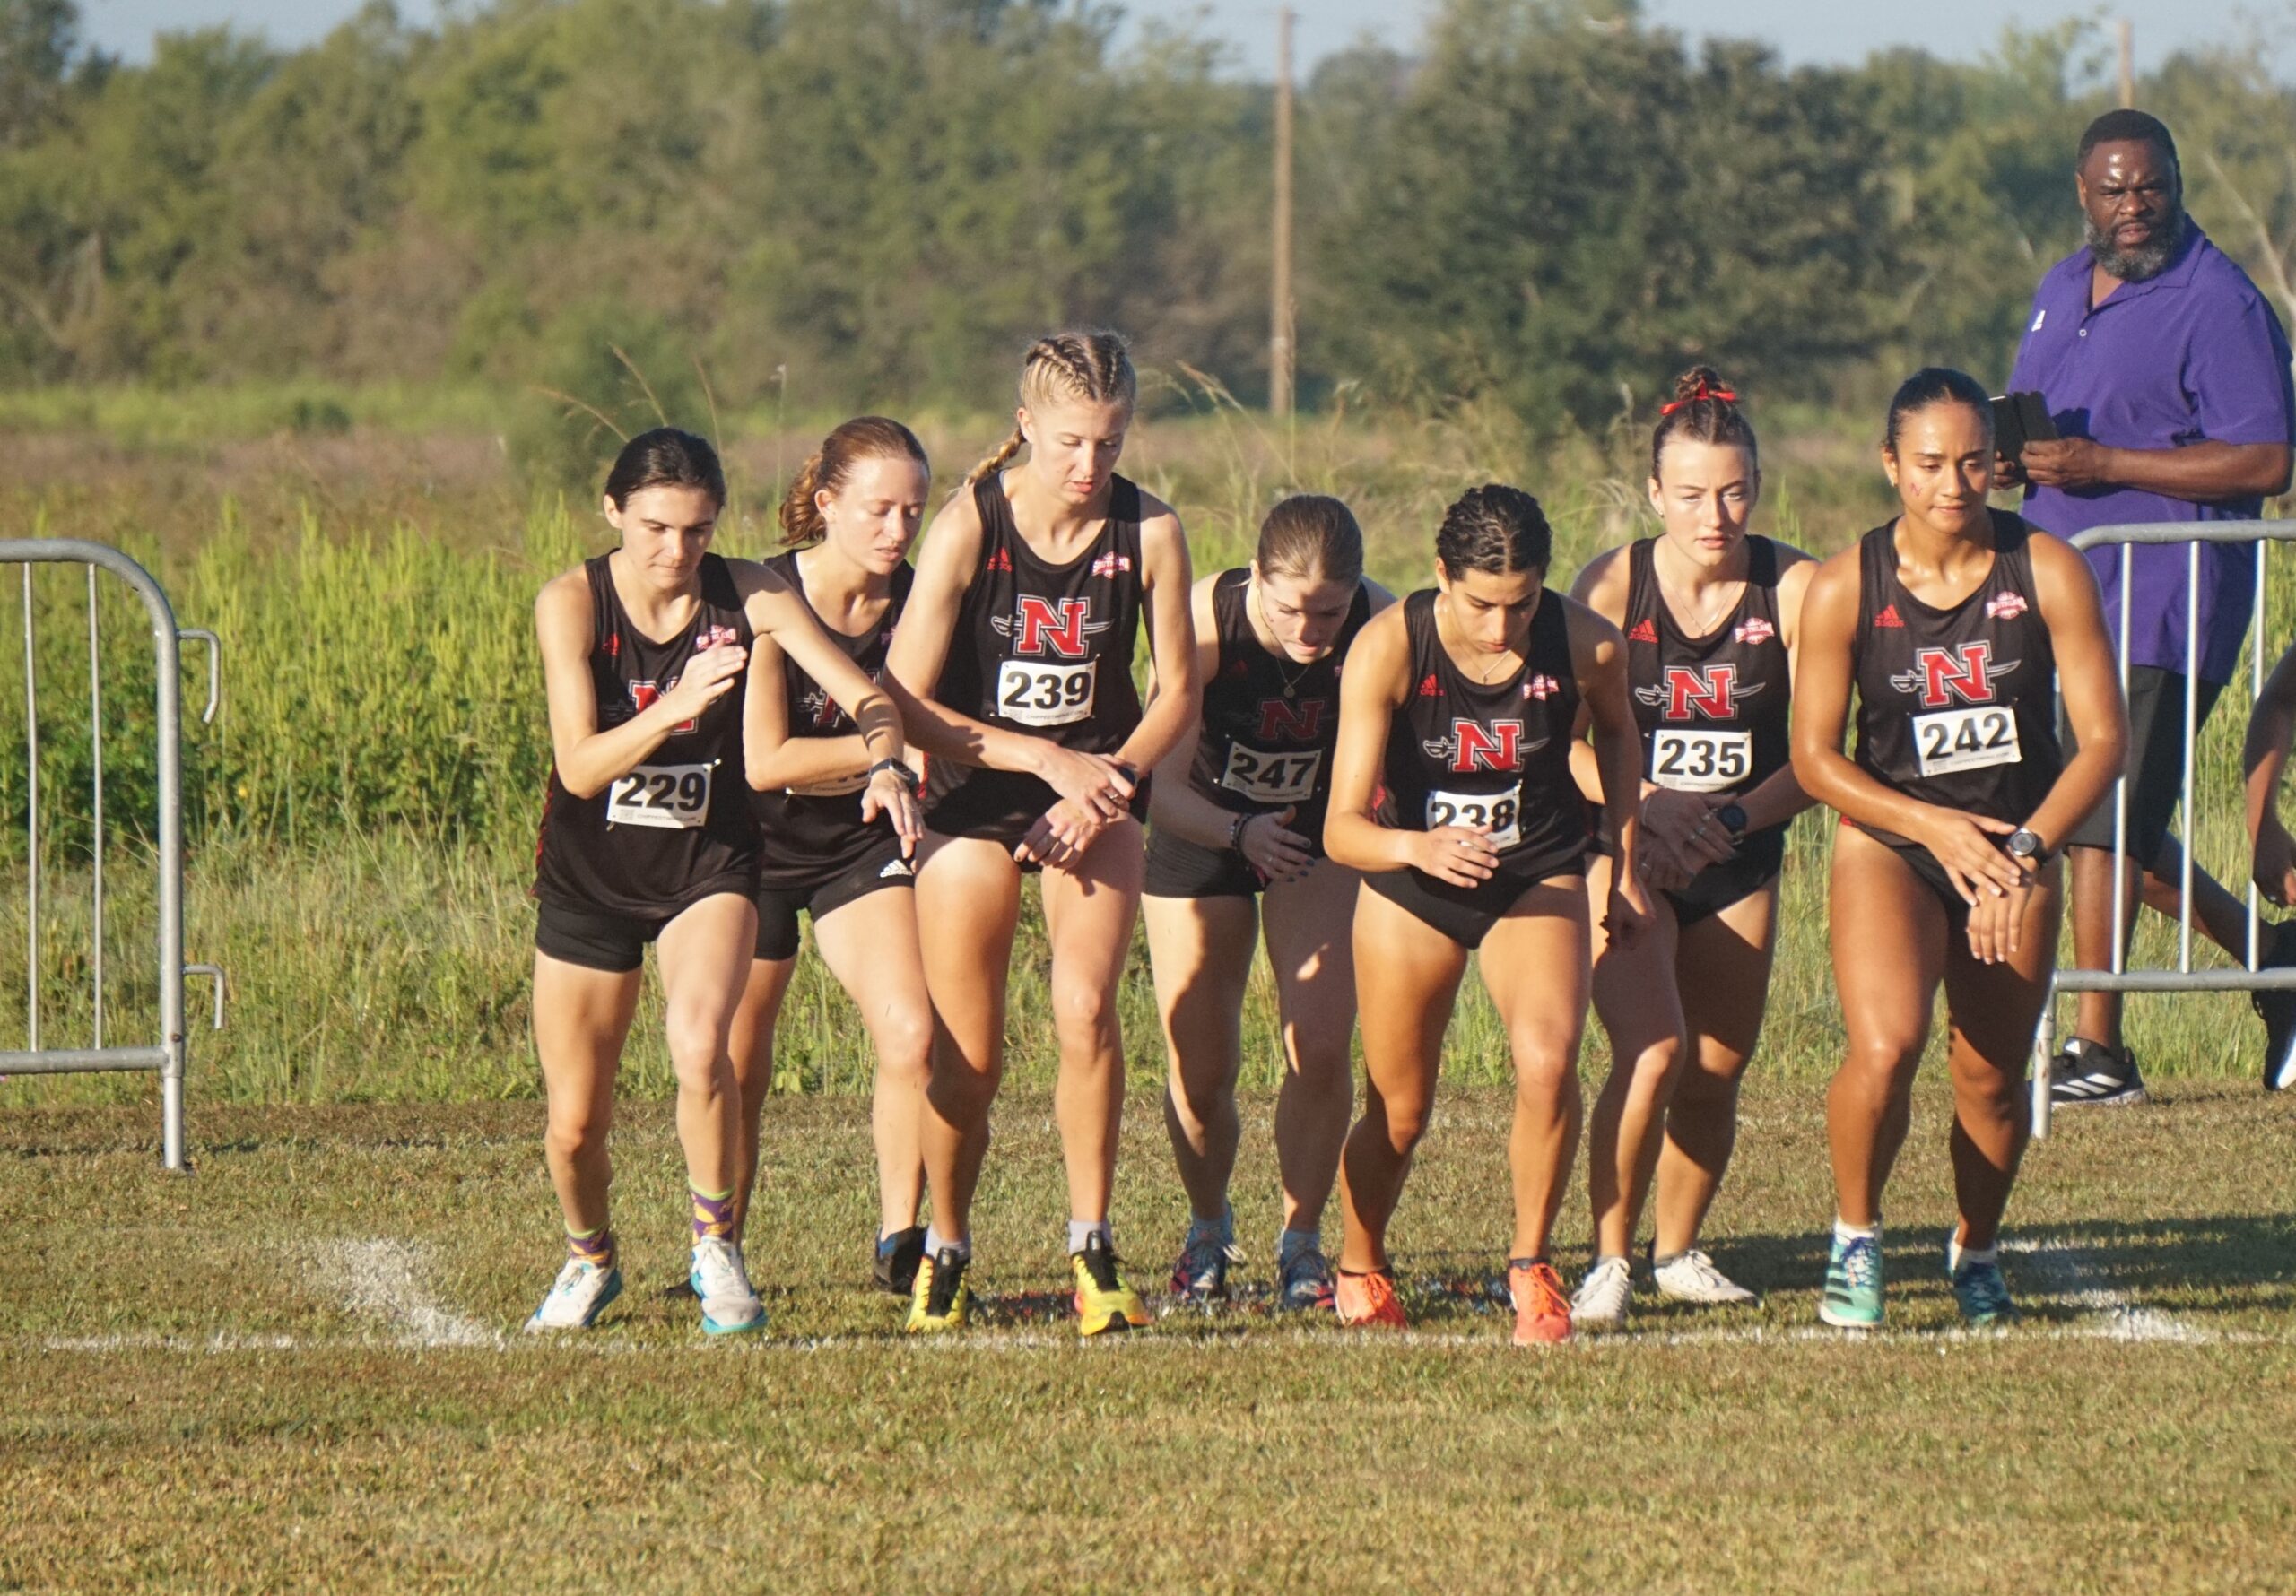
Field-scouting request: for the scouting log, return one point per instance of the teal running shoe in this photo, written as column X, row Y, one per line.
column 1978, row 1290
column 1853, row 1299
column 719, row 1279
column 576, row 1297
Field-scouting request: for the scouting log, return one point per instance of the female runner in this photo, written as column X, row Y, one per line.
column 1710, row 613
column 645, row 840
column 849, row 518
column 1957, row 625
column 1238, row 816
column 1028, row 600
column 1460, row 702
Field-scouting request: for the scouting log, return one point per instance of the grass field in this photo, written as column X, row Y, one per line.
column 299, row 1369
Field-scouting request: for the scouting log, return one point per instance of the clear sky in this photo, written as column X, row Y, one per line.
column 1804, row 30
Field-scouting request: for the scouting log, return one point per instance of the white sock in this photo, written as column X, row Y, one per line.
column 1290, row 1244
column 1081, row 1231
column 1957, row 1254
column 935, row 1244
column 1844, row 1231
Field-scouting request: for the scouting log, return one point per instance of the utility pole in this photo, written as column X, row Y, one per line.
column 2127, row 63
column 1281, row 349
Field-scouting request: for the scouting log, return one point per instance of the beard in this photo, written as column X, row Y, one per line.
column 2148, row 260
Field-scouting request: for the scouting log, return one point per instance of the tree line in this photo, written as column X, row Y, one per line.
column 840, row 202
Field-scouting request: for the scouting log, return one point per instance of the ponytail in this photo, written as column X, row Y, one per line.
column 997, row 462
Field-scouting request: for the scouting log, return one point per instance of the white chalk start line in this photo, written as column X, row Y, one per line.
column 384, row 1281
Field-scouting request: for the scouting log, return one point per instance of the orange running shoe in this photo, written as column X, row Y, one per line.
column 1542, row 1310
column 1368, row 1301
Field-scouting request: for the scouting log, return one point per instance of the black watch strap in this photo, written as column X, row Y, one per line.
column 907, row 775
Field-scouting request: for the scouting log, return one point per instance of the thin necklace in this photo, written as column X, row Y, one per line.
column 1291, row 681
column 1486, row 680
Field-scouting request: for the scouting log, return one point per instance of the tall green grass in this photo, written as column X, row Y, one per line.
column 363, row 809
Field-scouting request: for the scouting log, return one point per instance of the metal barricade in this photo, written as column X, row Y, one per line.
column 2184, row 977
column 167, row 1053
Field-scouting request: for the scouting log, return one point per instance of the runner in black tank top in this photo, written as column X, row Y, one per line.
column 1710, row 612
column 1263, row 747
column 676, row 828
column 1714, row 712
column 1018, row 647
column 1949, row 625
column 850, row 518
column 1043, row 650
column 1454, row 795
column 816, row 852
column 1235, row 850
column 1493, row 755
column 647, row 838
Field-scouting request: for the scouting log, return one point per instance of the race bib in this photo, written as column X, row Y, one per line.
column 1690, row 760
column 1968, row 739
column 1501, row 811
column 1033, row 693
column 666, row 797
column 1272, row 778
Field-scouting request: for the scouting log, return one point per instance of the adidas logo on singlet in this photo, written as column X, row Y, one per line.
column 1643, row 632
column 1001, row 561
column 1890, row 616
column 1430, row 688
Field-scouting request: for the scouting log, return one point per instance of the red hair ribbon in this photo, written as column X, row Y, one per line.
column 1703, row 392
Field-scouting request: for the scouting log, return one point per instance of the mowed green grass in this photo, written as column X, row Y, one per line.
column 299, row 1369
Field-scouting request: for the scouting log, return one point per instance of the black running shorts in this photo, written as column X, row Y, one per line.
column 2156, row 762
column 1179, row 868
column 777, row 907
column 1466, row 914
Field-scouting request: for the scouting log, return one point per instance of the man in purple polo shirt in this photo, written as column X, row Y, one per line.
column 2167, row 374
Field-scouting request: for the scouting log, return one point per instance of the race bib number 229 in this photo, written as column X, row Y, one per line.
column 665, row 797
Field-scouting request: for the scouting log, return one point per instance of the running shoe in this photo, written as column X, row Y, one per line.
column 1303, row 1282
column 576, row 1297
column 1367, row 1302
column 1853, row 1299
column 1201, row 1275
column 940, row 1299
column 728, row 1305
column 894, row 1264
column 1600, row 1301
column 1104, row 1303
column 2088, row 1072
column 1982, row 1293
column 1542, row 1312
column 2277, row 1010
column 1690, row 1277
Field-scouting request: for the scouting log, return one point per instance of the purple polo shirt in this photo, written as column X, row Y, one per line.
column 2195, row 354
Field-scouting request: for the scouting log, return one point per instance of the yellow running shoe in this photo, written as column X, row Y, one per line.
column 940, row 1300
column 1103, row 1301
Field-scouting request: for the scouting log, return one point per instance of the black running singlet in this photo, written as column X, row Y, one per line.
column 1044, row 649
column 678, row 828
column 1713, row 710
column 1464, row 753
column 816, row 834
column 1270, row 726
column 1957, row 707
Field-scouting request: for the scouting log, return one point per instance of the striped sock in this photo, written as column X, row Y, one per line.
column 713, row 1215
column 593, row 1247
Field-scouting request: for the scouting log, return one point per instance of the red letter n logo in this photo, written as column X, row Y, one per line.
column 1477, row 747
column 1042, row 628
column 1283, row 721
column 1948, row 674
column 1710, row 694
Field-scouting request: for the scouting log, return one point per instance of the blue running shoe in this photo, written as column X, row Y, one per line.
column 1978, row 1290
column 576, row 1297
column 1853, row 1299
column 728, row 1305
column 1304, row 1282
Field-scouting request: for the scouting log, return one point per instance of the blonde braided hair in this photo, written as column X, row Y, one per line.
column 1092, row 366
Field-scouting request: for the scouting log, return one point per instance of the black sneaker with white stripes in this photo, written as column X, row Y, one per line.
column 2091, row 1073
column 2277, row 1010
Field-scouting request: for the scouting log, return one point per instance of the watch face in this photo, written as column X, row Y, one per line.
column 2024, row 844
column 1732, row 816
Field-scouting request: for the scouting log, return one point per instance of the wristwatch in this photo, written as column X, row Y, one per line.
column 908, row 776
column 2025, row 843
column 1733, row 816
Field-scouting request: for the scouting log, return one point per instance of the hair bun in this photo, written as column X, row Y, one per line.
column 1700, row 382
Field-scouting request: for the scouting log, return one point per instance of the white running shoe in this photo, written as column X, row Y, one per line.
column 1691, row 1276
column 728, row 1305
column 1600, row 1301
column 576, row 1297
